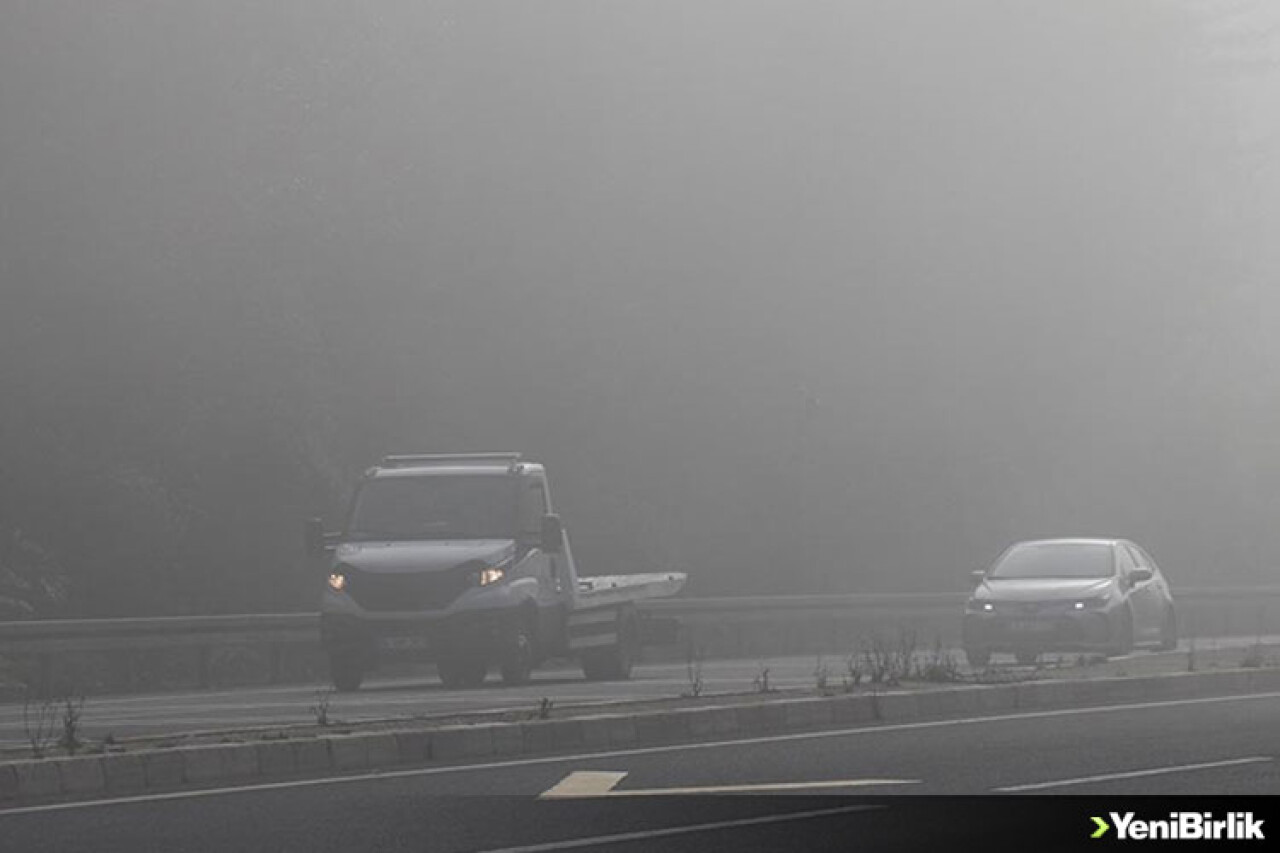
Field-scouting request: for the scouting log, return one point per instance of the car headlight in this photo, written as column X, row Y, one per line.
column 492, row 575
column 337, row 581
column 1091, row 603
column 977, row 605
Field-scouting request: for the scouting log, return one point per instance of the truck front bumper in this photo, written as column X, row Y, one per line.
column 429, row 635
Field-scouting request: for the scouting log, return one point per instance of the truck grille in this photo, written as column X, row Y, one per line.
column 404, row 592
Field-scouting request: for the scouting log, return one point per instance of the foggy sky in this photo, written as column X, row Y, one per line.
column 873, row 289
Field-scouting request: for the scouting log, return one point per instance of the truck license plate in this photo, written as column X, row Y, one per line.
column 1027, row 626
column 400, row 644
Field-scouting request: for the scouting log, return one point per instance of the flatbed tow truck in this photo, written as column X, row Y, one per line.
column 460, row 559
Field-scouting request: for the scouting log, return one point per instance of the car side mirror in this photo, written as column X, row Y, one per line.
column 1140, row 576
column 552, row 534
column 978, row 576
column 313, row 539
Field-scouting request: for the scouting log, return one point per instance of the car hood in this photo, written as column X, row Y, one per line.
column 425, row 556
column 1041, row 589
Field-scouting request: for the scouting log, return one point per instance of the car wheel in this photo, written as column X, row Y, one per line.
column 978, row 658
column 346, row 671
column 1123, row 643
column 1027, row 658
column 462, row 672
column 1169, row 631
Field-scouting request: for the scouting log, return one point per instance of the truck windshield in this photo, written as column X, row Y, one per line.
column 436, row 507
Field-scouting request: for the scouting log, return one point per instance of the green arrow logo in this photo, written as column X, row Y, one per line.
column 1103, row 826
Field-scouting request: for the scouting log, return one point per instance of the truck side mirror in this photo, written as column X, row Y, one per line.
column 313, row 537
column 552, row 534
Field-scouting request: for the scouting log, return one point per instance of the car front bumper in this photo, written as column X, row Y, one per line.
column 1046, row 630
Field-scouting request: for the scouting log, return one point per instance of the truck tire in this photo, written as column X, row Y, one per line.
column 518, row 655
column 346, row 670
column 462, row 672
column 614, row 663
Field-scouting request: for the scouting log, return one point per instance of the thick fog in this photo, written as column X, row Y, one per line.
column 799, row 297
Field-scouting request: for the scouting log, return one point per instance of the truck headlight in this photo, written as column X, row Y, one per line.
column 1091, row 603
column 337, row 581
column 492, row 575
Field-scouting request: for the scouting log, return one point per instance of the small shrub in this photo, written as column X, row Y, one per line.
column 821, row 677
column 39, row 719
column 939, row 666
column 853, row 674
column 761, row 681
column 693, row 673
column 72, row 710
column 324, row 696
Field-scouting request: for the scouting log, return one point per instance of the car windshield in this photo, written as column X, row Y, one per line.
column 1056, row 561
column 435, row 507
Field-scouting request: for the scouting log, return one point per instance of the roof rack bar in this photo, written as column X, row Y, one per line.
column 408, row 460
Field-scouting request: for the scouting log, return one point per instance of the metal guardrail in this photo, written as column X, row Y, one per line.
column 93, row 634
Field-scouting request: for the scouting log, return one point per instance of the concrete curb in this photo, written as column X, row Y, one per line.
column 124, row 773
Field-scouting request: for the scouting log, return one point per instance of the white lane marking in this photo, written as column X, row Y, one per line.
column 646, row 750
column 581, row 784
column 1132, row 774
column 644, row 835
column 585, row 783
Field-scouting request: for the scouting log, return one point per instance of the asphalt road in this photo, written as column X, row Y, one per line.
column 167, row 713
column 661, row 798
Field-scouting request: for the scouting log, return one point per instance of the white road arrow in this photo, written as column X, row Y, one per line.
column 597, row 783
column 585, row 783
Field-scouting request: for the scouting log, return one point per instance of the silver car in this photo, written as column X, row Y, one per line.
column 1101, row 595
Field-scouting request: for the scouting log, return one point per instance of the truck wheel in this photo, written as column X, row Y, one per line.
column 614, row 663
column 462, row 672
column 346, row 670
column 518, row 657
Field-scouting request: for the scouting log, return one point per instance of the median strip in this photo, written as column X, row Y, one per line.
column 263, row 757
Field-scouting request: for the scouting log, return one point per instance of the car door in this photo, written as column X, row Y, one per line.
column 1146, row 598
column 1161, row 592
